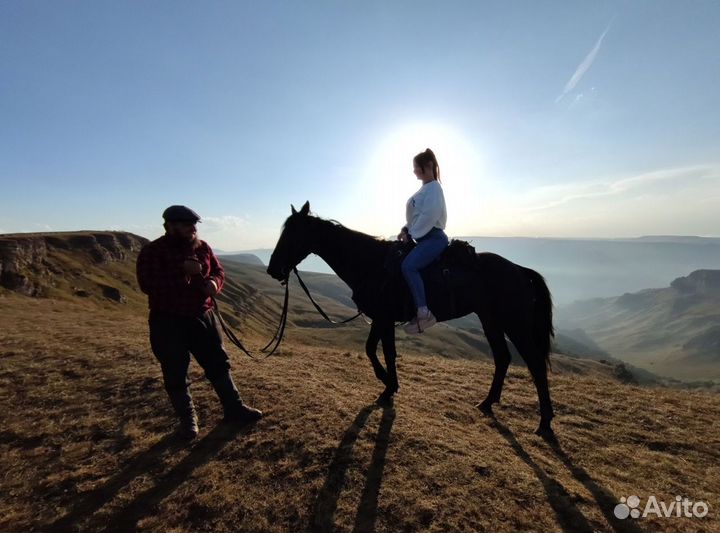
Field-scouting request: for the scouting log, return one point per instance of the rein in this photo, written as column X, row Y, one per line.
column 277, row 338
column 319, row 309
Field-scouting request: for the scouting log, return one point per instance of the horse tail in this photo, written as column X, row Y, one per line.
column 543, row 330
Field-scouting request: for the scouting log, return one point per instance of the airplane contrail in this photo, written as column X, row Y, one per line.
column 584, row 66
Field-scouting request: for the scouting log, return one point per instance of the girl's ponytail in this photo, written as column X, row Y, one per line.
column 427, row 158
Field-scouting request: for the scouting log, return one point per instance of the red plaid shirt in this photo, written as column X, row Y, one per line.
column 161, row 276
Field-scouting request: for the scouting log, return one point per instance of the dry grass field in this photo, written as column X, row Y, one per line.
column 87, row 444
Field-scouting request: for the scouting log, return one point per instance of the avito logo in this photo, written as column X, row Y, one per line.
column 678, row 508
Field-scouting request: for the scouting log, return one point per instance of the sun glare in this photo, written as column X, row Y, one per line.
column 390, row 181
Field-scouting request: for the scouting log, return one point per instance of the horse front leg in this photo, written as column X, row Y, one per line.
column 371, row 351
column 387, row 336
column 501, row 354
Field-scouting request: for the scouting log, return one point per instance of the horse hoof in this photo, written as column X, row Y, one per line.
column 546, row 432
column 486, row 408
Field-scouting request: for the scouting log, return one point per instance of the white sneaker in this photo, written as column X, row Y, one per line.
column 420, row 323
column 411, row 328
column 426, row 320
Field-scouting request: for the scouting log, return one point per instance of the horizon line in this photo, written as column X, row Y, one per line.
column 467, row 236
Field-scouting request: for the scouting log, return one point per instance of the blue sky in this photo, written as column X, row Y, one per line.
column 583, row 119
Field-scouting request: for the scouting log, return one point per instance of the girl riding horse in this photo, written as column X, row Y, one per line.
column 426, row 217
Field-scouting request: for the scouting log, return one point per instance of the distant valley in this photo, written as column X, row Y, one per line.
column 673, row 331
column 579, row 269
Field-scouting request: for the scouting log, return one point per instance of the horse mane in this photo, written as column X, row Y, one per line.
column 371, row 249
column 329, row 222
column 354, row 233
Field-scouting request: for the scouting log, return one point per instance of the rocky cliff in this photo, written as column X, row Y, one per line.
column 674, row 331
column 700, row 281
column 33, row 263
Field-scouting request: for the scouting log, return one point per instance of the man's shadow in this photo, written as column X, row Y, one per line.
column 126, row 519
column 323, row 516
column 568, row 515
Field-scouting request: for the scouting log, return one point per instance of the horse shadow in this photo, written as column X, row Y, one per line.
column 603, row 497
column 570, row 518
column 323, row 514
column 126, row 518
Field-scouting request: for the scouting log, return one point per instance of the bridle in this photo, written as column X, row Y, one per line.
column 280, row 331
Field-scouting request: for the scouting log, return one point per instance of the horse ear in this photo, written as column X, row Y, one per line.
column 305, row 208
column 292, row 208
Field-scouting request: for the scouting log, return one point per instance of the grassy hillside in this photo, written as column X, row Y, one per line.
column 253, row 302
column 86, row 439
column 99, row 267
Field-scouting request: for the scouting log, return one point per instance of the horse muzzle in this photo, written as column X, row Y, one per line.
column 280, row 274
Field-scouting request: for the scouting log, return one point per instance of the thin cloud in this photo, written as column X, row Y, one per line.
column 584, row 66
column 556, row 195
column 664, row 201
column 223, row 223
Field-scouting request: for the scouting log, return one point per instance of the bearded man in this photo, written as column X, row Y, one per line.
column 181, row 274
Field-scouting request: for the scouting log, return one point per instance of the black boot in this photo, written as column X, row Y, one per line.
column 183, row 405
column 235, row 410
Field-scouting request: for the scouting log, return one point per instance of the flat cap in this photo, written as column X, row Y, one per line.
column 180, row 213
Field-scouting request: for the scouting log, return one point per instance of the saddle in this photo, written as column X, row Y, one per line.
column 458, row 255
column 442, row 278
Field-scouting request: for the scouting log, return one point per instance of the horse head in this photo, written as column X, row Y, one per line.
column 293, row 245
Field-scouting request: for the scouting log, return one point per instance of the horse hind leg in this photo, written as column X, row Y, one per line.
column 537, row 365
column 371, row 350
column 502, row 357
column 543, row 390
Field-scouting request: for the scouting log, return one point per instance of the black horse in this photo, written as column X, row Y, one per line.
column 509, row 299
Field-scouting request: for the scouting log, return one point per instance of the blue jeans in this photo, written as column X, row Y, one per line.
column 428, row 248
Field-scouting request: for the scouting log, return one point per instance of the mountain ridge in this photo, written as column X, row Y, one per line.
column 673, row 331
column 100, row 265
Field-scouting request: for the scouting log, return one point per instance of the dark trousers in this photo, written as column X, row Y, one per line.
column 173, row 338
